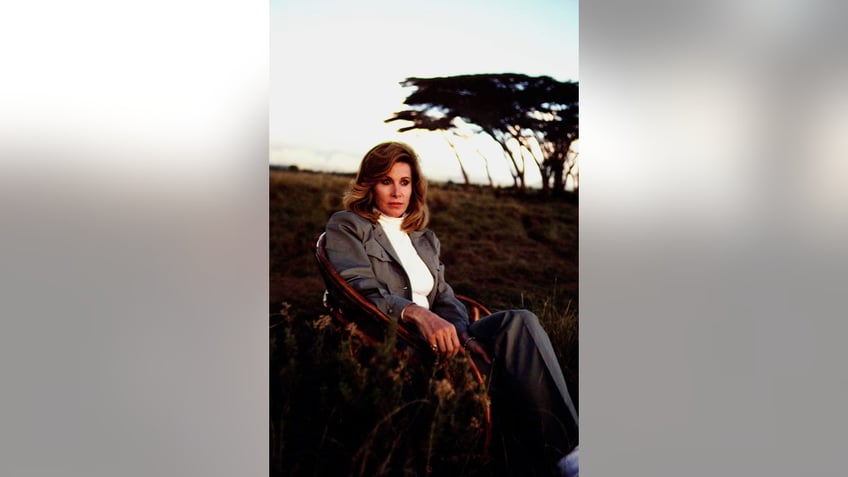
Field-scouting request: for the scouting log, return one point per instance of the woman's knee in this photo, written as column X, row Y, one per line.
column 524, row 318
column 526, row 315
column 507, row 321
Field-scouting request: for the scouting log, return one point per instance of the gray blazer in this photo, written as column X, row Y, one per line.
column 363, row 255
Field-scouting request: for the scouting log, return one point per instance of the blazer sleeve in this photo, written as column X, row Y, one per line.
column 446, row 304
column 345, row 244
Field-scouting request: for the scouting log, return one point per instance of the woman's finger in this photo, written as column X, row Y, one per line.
column 455, row 346
column 444, row 344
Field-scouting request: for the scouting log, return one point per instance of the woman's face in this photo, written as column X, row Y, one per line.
column 393, row 191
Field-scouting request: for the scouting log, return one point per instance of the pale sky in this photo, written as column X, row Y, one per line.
column 336, row 66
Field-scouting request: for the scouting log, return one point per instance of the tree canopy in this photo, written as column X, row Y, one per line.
column 529, row 117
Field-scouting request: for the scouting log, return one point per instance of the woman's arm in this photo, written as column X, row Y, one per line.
column 347, row 243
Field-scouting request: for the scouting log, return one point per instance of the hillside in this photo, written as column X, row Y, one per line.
column 505, row 251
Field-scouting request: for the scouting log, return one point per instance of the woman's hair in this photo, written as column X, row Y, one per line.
column 375, row 166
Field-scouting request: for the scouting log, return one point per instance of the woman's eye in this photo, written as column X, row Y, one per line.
column 386, row 182
column 406, row 183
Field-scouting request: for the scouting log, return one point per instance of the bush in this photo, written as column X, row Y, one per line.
column 340, row 406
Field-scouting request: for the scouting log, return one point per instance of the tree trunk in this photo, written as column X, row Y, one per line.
column 459, row 160
column 488, row 172
column 559, row 183
column 544, row 170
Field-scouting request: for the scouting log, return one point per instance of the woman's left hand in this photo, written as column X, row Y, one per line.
column 475, row 348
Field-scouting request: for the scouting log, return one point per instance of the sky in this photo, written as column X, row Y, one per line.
column 336, row 68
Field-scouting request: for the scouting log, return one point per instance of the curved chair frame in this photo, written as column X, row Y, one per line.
column 347, row 307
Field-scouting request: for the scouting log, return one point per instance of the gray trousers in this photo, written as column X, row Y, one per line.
column 530, row 401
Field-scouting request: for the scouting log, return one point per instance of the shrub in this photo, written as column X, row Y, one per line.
column 340, row 406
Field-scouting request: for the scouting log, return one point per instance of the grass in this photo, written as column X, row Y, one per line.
column 341, row 408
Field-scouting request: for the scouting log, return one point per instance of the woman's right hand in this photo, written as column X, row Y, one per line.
column 438, row 332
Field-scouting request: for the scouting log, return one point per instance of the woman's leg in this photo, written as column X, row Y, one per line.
column 529, row 394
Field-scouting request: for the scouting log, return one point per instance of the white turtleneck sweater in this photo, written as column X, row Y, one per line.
column 420, row 278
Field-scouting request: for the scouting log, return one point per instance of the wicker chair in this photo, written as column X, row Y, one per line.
column 347, row 307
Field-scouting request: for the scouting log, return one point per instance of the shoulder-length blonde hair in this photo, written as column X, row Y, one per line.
column 375, row 166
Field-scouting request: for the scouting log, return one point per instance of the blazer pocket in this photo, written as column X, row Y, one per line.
column 375, row 250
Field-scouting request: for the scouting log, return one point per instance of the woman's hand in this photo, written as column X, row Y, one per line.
column 475, row 348
column 438, row 332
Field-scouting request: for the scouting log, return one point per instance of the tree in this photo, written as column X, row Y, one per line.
column 557, row 127
column 529, row 117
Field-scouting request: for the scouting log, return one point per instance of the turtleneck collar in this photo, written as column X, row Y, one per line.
column 393, row 223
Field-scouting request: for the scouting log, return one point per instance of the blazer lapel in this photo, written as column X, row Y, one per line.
column 428, row 255
column 425, row 251
column 383, row 240
column 422, row 246
column 419, row 242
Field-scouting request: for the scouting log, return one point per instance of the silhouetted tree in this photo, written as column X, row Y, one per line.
column 529, row 117
column 556, row 127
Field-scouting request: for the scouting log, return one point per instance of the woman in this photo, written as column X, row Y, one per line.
column 381, row 246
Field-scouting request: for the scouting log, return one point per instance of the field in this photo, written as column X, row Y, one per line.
column 334, row 412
